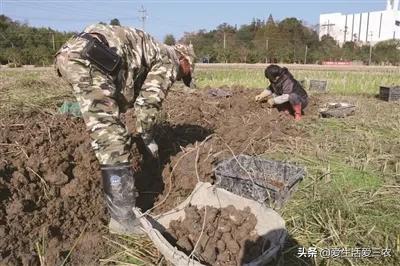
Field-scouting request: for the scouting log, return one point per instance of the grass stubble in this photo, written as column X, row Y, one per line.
column 350, row 197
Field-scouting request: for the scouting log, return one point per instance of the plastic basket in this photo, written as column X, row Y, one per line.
column 267, row 181
column 318, row 85
column 389, row 93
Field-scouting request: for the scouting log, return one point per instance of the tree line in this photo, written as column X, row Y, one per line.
column 286, row 41
column 21, row 44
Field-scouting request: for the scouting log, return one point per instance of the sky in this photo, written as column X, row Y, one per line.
column 174, row 16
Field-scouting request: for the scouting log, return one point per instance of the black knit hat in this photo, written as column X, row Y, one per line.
column 272, row 71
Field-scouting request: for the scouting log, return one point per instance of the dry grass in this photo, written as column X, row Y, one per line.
column 24, row 91
column 132, row 251
column 351, row 195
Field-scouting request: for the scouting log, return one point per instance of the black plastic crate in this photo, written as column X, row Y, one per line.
column 389, row 93
column 266, row 181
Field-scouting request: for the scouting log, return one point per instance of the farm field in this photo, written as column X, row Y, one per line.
column 51, row 205
column 345, row 80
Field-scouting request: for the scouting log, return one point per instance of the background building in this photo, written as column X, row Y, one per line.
column 363, row 27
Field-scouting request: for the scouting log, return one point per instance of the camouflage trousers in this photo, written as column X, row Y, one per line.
column 96, row 95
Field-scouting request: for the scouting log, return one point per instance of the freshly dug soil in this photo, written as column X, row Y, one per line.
column 234, row 125
column 219, row 236
column 50, row 192
column 50, row 187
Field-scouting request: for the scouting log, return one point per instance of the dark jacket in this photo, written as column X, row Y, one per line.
column 287, row 84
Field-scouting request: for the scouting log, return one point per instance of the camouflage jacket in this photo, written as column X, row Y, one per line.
column 146, row 63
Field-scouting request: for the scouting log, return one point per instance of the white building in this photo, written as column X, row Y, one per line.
column 363, row 27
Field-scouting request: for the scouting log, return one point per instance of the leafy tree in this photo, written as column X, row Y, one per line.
column 351, row 51
column 329, row 48
column 387, row 52
column 22, row 44
column 284, row 42
column 270, row 20
column 169, row 39
column 115, row 22
column 203, row 42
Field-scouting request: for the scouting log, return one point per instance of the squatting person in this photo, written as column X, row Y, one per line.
column 109, row 69
column 284, row 91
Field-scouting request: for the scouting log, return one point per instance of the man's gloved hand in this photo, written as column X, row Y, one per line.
column 151, row 144
column 271, row 102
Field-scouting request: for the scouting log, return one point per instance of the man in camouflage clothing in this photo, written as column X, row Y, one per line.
column 146, row 69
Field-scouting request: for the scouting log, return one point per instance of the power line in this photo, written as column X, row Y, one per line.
column 33, row 34
column 73, row 19
column 60, row 8
column 77, row 10
column 143, row 16
column 206, row 1
column 43, row 11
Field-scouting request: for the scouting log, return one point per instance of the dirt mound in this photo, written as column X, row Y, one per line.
column 224, row 126
column 219, row 236
column 50, row 188
column 51, row 191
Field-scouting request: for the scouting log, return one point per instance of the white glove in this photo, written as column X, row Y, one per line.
column 151, row 145
column 271, row 102
column 263, row 95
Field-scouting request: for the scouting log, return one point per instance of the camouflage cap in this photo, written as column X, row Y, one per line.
column 186, row 51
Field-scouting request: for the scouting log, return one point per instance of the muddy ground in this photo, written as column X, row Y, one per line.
column 50, row 190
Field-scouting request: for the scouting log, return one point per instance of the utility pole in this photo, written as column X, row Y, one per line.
column 224, row 40
column 1, row 7
column 143, row 17
column 328, row 25
column 266, row 42
column 225, row 46
column 305, row 55
column 294, row 54
column 345, row 30
column 370, row 49
column 370, row 54
column 54, row 45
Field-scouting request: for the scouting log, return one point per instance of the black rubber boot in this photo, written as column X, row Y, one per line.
column 120, row 196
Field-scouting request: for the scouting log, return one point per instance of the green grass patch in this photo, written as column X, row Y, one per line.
column 341, row 82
